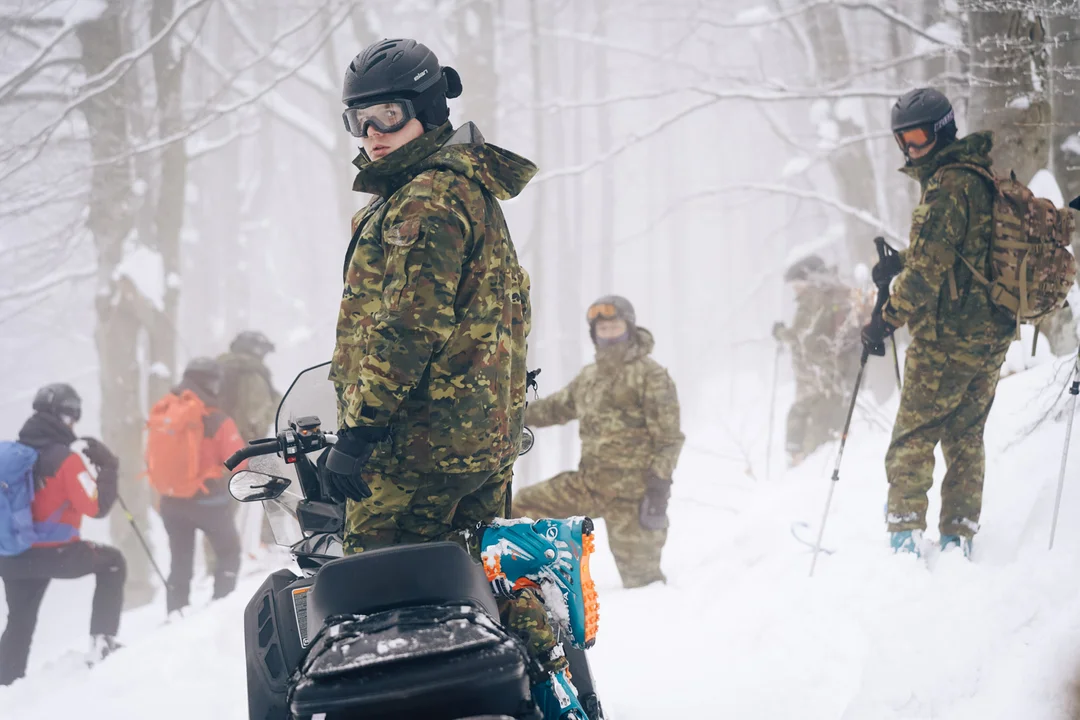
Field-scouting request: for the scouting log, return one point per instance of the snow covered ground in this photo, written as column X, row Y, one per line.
column 740, row 630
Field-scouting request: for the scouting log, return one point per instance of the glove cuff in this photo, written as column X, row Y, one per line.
column 367, row 433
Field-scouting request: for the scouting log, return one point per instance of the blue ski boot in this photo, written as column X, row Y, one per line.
column 557, row 698
column 906, row 541
column 951, row 541
column 546, row 552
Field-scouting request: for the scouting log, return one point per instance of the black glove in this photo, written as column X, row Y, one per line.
column 653, row 512
column 779, row 331
column 887, row 268
column 874, row 334
column 97, row 453
column 342, row 464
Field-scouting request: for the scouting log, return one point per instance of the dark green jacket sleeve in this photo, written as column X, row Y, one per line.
column 939, row 223
column 557, row 409
column 425, row 237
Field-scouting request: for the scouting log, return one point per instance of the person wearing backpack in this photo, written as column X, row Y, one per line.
column 46, row 489
column 247, row 393
column 188, row 440
column 962, row 297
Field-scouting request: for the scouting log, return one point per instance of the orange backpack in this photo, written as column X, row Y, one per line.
column 174, row 445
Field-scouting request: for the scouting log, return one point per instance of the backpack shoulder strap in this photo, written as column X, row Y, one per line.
column 989, row 177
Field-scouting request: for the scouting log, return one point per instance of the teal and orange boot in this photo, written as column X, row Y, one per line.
column 552, row 555
column 557, row 698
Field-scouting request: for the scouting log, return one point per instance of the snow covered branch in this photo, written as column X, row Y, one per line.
column 48, row 283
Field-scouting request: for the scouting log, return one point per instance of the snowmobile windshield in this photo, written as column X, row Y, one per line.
column 281, row 511
column 311, row 393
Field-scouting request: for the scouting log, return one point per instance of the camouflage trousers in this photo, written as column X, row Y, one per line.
column 946, row 398
column 407, row 507
column 615, row 496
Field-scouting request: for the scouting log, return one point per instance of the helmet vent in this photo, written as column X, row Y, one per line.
column 374, row 61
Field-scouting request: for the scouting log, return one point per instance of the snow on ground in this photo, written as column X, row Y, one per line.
column 740, row 630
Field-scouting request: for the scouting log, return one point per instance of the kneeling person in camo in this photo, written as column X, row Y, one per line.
column 430, row 358
column 630, row 441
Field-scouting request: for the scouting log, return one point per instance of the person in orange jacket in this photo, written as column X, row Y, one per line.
column 69, row 486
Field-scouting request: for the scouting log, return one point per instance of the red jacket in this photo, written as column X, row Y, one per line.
column 221, row 438
column 73, row 491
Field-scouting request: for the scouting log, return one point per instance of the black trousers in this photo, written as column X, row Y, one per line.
column 182, row 517
column 27, row 576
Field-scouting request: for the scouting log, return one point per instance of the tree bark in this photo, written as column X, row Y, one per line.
column 110, row 220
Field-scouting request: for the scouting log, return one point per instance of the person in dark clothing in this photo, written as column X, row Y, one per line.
column 68, row 486
column 206, row 507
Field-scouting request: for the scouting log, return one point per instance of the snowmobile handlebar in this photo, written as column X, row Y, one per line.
column 301, row 437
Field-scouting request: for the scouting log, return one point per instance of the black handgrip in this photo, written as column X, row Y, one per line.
column 266, row 446
column 882, row 291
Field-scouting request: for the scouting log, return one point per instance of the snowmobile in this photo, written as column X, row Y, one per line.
column 404, row 632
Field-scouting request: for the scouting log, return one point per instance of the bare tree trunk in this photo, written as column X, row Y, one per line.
column 1010, row 89
column 852, row 166
column 475, row 21
column 1065, row 111
column 169, row 210
column 110, row 219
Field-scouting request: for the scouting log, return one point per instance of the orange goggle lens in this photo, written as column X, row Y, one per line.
column 606, row 311
column 918, row 138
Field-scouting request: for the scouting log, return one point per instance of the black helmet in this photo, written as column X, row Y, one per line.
column 611, row 307
column 805, row 269
column 924, row 108
column 206, row 373
column 252, row 342
column 59, row 399
column 402, row 69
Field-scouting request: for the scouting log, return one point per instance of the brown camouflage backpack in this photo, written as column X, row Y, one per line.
column 1031, row 268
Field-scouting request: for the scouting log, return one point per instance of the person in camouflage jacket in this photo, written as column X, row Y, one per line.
column 247, row 392
column 429, row 364
column 959, row 339
column 824, row 342
column 628, row 411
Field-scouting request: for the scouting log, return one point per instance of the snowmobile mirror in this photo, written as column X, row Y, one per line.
column 248, row 486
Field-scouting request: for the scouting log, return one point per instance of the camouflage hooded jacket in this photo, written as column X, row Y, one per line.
column 825, row 335
column 431, row 336
column 628, row 408
column 955, row 211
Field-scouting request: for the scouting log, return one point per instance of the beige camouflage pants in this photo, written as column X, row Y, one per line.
column 946, row 398
column 407, row 507
column 592, row 492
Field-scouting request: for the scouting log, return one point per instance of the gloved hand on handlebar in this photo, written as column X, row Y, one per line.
column 341, row 466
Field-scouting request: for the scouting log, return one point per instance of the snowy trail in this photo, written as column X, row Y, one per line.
column 740, row 630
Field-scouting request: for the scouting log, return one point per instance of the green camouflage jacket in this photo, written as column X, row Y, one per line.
column 247, row 395
column 431, row 336
column 628, row 408
column 955, row 210
column 824, row 336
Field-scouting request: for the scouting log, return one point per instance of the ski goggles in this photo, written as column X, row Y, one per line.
column 602, row 311
column 916, row 138
column 386, row 117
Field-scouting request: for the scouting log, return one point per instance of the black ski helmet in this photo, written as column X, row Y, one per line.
column 206, row 373
column 925, row 107
column 402, row 69
column 252, row 342
column 58, row 399
column 805, row 269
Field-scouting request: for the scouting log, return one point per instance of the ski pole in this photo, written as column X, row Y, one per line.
column 882, row 297
column 142, row 540
column 772, row 410
column 896, row 363
column 1074, row 391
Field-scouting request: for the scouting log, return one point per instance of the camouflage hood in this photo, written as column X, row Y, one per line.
column 463, row 151
column 973, row 149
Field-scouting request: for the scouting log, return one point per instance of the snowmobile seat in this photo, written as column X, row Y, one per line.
column 437, row 573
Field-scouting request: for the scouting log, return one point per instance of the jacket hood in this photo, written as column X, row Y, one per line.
column 52, row 439
column 973, row 149
column 502, row 173
column 243, row 362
